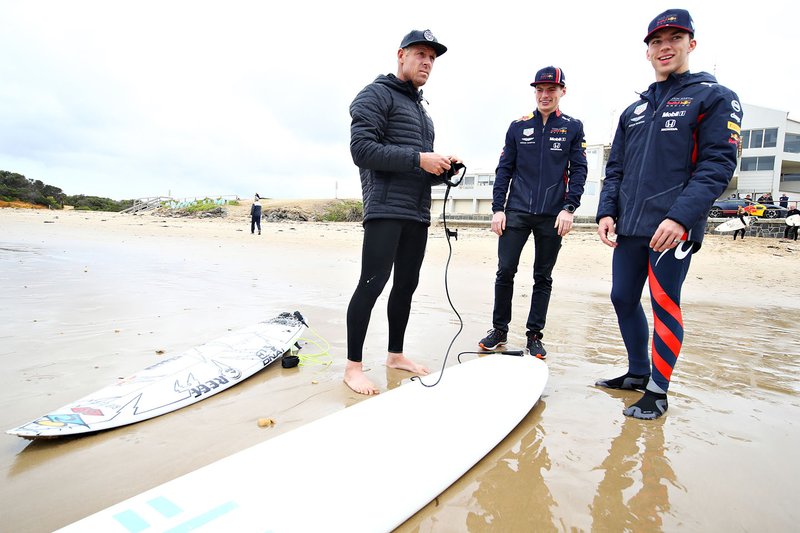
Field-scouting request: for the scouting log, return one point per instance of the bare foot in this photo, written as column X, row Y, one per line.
column 400, row 361
column 355, row 378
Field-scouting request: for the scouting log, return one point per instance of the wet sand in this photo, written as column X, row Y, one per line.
column 90, row 297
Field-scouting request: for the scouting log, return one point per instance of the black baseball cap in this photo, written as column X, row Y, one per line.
column 671, row 18
column 423, row 37
column 550, row 75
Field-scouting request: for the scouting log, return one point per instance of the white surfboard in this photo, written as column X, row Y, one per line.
column 366, row 468
column 793, row 220
column 176, row 382
column 734, row 224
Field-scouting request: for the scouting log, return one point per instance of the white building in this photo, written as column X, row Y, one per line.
column 770, row 162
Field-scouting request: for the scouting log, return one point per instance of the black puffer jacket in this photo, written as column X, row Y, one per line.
column 388, row 131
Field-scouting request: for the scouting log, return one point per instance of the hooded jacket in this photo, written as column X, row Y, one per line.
column 389, row 129
column 673, row 159
column 543, row 165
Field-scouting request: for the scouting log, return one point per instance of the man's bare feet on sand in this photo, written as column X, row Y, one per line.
column 401, row 362
column 355, row 378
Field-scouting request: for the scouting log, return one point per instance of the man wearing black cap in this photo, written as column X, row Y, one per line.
column 673, row 154
column 538, row 185
column 391, row 141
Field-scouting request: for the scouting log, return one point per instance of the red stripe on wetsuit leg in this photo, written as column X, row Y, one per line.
column 661, row 330
column 661, row 297
column 661, row 365
column 667, row 336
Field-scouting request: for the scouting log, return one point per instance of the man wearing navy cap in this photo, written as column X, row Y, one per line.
column 391, row 141
column 673, row 154
column 537, row 187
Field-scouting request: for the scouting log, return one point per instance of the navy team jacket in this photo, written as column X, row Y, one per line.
column 673, row 160
column 544, row 166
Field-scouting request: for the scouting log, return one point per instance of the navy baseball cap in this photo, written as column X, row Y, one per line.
column 423, row 37
column 549, row 75
column 671, row 18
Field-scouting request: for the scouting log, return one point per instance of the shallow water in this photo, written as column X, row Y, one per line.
column 80, row 311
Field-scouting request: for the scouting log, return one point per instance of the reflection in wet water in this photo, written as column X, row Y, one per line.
column 633, row 493
column 517, row 474
column 575, row 463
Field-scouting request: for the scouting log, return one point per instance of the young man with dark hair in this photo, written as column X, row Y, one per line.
column 673, row 154
column 537, row 188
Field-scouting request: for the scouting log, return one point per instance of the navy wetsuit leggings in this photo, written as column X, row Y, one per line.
column 634, row 263
column 388, row 243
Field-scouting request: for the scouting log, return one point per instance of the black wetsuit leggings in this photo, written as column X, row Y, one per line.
column 388, row 243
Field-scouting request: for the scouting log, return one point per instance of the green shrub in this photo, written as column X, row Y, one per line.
column 344, row 211
column 199, row 206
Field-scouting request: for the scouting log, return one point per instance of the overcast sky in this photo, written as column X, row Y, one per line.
column 185, row 98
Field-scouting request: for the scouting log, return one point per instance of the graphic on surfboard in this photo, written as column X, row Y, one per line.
column 735, row 224
column 173, row 383
column 302, row 480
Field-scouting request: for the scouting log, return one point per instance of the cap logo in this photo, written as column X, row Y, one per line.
column 428, row 35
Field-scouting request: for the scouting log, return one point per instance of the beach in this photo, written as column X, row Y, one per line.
column 92, row 297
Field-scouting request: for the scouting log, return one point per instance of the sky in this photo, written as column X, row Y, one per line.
column 195, row 98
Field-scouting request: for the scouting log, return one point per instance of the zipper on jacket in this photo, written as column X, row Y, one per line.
column 653, row 125
column 531, row 207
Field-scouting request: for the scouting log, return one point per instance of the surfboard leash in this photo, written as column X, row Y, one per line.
column 452, row 179
column 322, row 356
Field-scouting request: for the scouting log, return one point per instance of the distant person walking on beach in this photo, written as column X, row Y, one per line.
column 255, row 215
column 740, row 212
column 391, row 141
column 538, row 185
column 673, row 154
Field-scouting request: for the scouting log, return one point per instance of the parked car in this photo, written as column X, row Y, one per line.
column 729, row 207
column 775, row 211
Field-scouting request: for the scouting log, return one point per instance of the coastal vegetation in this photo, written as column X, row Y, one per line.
column 343, row 211
column 16, row 188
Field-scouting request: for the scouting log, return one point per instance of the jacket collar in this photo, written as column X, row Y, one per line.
column 406, row 87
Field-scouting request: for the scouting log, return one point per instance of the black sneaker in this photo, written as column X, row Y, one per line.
column 535, row 346
column 494, row 339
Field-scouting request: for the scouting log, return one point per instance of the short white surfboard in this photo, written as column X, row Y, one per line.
column 793, row 220
column 173, row 383
column 734, row 224
column 366, row 468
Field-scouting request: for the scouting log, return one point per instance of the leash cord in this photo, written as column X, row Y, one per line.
column 450, row 184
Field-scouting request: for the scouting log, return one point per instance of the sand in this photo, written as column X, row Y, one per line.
column 90, row 297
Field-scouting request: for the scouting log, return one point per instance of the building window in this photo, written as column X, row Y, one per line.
column 749, row 164
column 770, row 137
column 766, row 163
column 791, row 143
column 766, row 138
column 752, row 164
column 756, row 139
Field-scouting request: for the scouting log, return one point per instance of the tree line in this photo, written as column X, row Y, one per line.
column 16, row 187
